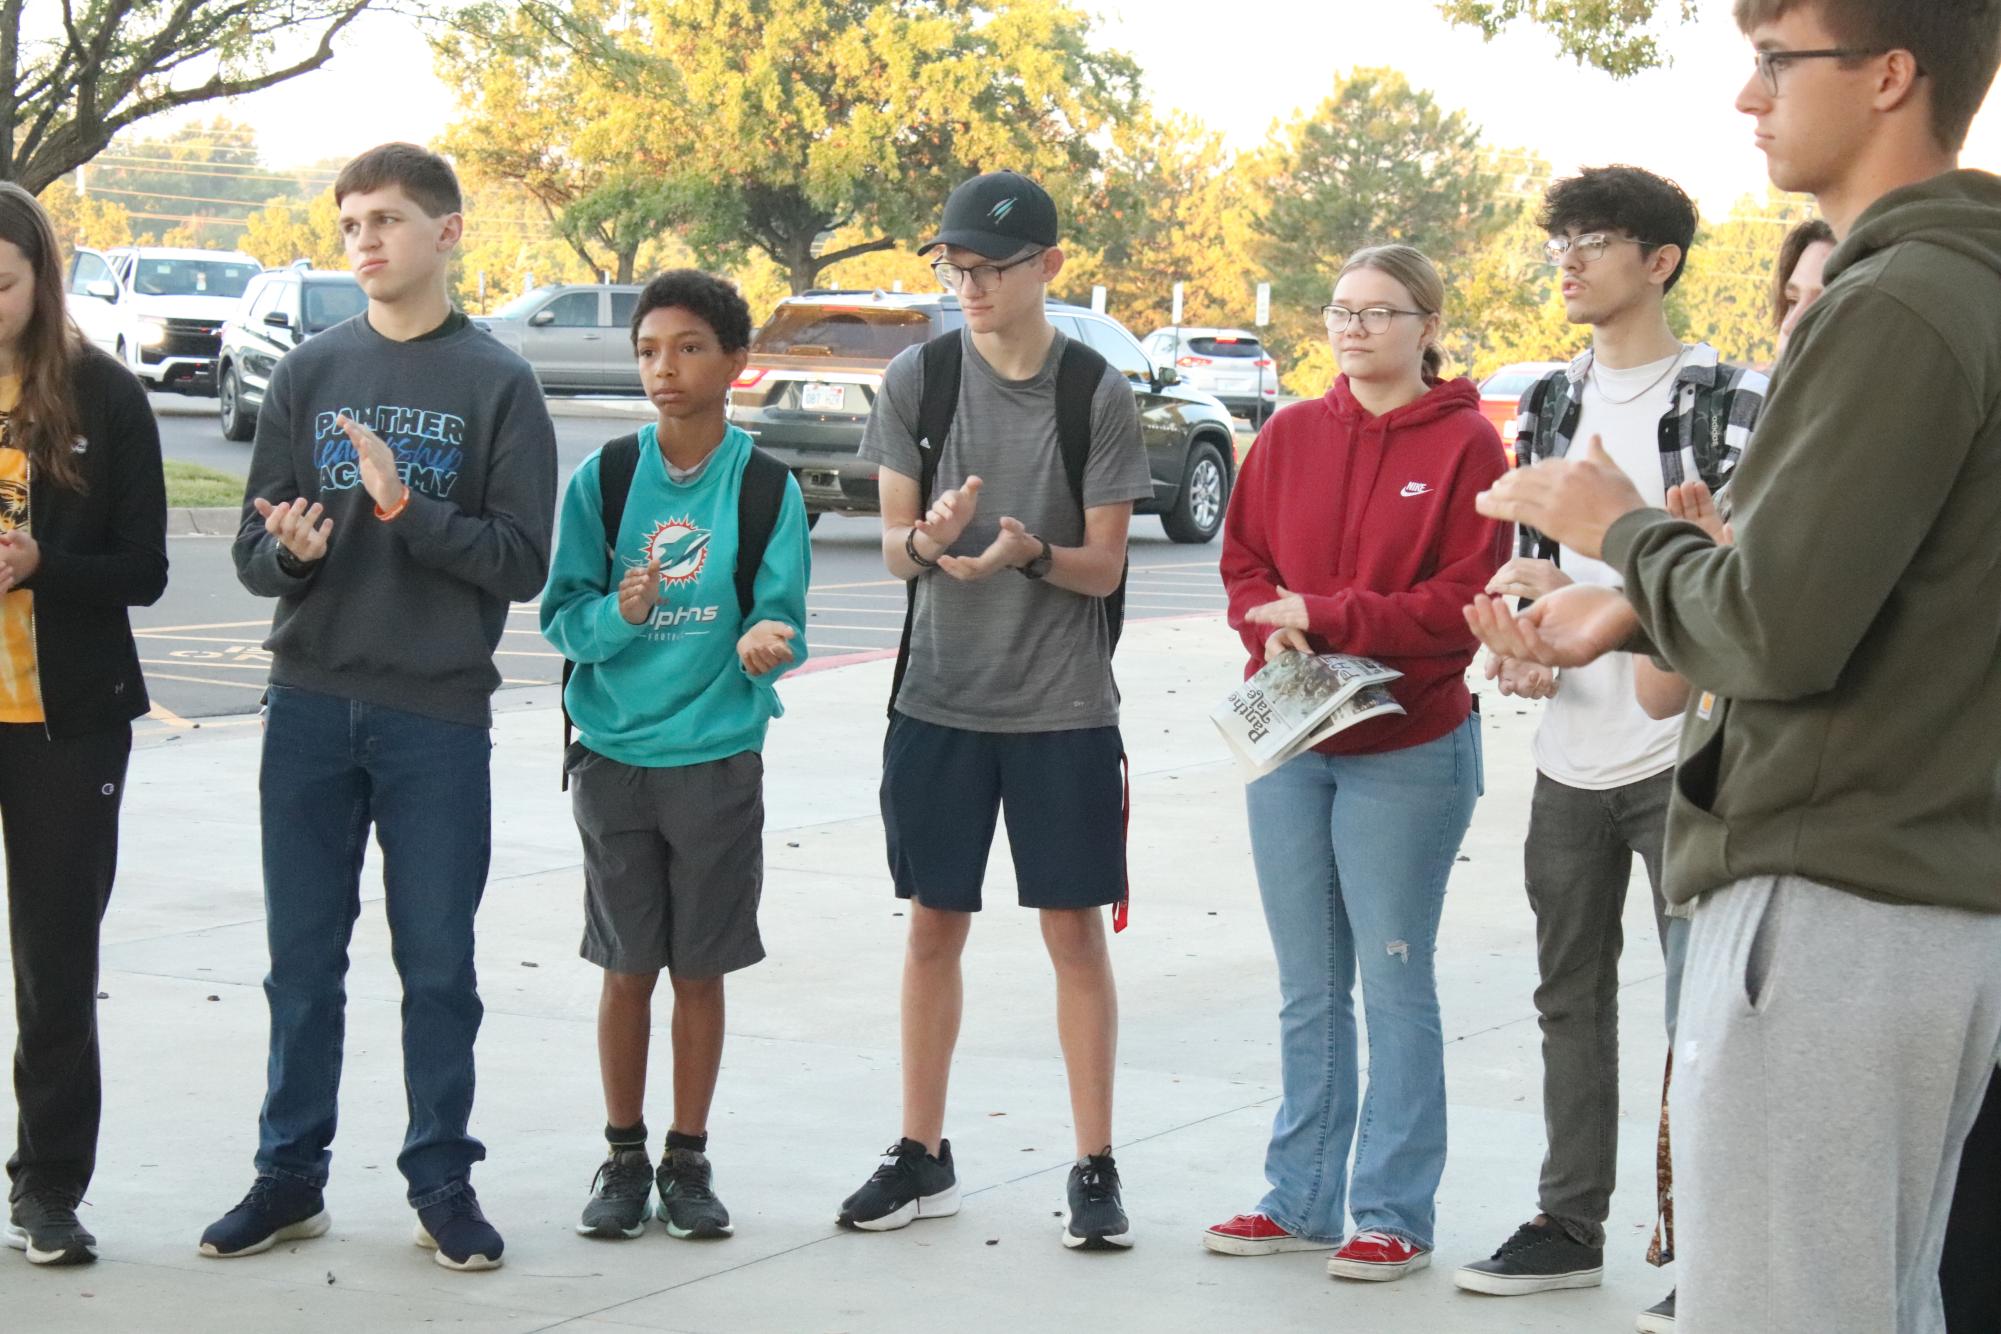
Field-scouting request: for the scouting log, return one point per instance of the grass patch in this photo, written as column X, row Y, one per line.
column 191, row 486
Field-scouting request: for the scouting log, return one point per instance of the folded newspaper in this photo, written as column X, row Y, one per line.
column 1298, row 700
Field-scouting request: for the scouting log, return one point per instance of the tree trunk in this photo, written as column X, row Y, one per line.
column 801, row 268
column 626, row 259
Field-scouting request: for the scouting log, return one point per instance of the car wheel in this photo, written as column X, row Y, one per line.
column 1205, row 495
column 237, row 424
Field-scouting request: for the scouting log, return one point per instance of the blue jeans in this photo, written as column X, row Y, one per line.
column 1352, row 854
column 331, row 768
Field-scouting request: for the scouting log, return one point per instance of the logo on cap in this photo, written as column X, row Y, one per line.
column 1000, row 211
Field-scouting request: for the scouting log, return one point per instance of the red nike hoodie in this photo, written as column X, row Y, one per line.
column 1371, row 520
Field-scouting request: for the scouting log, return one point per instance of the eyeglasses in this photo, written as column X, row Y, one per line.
column 1590, row 249
column 1374, row 319
column 1772, row 61
column 983, row 276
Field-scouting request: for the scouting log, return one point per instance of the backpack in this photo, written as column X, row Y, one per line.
column 759, row 500
column 1078, row 375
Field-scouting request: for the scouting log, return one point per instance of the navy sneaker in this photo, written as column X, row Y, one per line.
column 43, row 1223
column 458, row 1233
column 275, row 1210
column 688, row 1203
column 1097, row 1214
column 617, row 1205
column 909, row 1185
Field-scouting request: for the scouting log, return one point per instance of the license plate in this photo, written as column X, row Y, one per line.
column 823, row 481
column 823, row 397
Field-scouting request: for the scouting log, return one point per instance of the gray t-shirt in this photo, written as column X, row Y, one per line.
column 1008, row 653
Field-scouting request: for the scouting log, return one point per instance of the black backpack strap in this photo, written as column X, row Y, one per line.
column 759, row 499
column 618, row 461
column 1078, row 376
column 942, row 360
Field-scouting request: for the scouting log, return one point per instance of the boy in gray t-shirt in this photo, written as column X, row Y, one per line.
column 1007, row 705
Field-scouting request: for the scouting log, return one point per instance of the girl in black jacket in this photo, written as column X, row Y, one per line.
column 83, row 536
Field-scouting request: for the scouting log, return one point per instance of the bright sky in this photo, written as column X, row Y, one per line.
column 1239, row 67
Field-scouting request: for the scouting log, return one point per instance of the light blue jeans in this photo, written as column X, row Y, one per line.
column 1352, row 854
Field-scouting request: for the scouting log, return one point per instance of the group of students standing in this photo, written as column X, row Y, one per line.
column 400, row 499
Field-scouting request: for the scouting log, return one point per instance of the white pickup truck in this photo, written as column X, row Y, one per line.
column 159, row 311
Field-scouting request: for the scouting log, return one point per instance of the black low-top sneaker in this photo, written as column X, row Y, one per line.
column 688, row 1203
column 1097, row 1215
column 43, row 1223
column 1540, row 1257
column 458, row 1233
column 909, row 1185
column 275, row 1210
column 619, row 1194
column 1658, row 1318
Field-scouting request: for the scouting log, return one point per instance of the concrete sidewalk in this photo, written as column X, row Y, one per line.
column 810, row 1086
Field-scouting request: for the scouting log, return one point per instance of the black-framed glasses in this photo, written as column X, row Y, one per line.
column 1590, row 248
column 1374, row 319
column 983, row 276
column 1772, row 61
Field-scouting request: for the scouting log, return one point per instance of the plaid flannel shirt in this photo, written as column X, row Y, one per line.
column 1707, row 425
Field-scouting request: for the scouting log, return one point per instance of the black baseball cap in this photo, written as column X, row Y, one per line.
column 996, row 215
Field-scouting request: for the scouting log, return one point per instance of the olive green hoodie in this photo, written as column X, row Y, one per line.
column 1852, row 637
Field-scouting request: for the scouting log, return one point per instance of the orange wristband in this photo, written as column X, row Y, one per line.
column 387, row 514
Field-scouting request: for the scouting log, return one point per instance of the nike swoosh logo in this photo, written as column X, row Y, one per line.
column 1415, row 489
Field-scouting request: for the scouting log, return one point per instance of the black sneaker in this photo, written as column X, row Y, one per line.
column 43, row 1223
column 1540, row 1257
column 909, row 1185
column 618, row 1196
column 1658, row 1318
column 688, row 1203
column 275, row 1210
column 1097, row 1218
column 458, row 1232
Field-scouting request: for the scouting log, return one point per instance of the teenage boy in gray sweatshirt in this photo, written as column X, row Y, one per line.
column 401, row 495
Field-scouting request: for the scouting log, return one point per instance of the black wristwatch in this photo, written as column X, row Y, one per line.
column 1038, row 567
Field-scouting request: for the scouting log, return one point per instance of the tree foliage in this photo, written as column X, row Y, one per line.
column 85, row 220
column 74, row 75
column 1621, row 37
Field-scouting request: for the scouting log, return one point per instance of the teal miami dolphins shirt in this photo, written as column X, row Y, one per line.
column 672, row 692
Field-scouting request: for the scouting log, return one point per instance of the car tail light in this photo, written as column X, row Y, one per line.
column 751, row 375
column 1194, row 361
column 1262, row 363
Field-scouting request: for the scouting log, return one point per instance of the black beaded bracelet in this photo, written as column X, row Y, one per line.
column 910, row 550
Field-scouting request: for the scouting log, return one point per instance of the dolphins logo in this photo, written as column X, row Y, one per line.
column 682, row 550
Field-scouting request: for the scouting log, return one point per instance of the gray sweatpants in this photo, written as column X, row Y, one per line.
column 1830, row 1056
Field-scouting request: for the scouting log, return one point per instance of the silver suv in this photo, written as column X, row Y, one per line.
column 1232, row 364
column 577, row 336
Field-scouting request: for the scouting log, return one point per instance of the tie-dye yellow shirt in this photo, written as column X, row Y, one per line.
column 20, row 696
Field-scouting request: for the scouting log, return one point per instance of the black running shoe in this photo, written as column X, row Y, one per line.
column 688, row 1203
column 43, row 1223
column 275, row 1210
column 1658, row 1318
column 455, row 1228
column 619, row 1192
column 1540, row 1257
column 1097, row 1216
column 909, row 1185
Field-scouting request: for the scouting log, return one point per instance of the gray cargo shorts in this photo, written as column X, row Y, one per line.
column 673, row 863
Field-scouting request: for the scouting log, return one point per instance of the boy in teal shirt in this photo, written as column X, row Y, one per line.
column 673, row 689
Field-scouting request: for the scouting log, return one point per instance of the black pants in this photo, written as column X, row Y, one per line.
column 1969, row 1277
column 59, row 805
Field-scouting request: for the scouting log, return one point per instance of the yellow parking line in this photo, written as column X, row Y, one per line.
column 212, row 625
column 161, row 713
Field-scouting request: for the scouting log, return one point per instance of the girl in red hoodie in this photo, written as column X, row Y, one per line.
column 1353, row 531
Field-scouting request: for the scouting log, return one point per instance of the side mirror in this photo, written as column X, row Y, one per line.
column 103, row 289
column 542, row 319
column 1163, row 376
column 279, row 319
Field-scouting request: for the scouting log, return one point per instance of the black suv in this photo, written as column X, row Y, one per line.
column 817, row 365
column 280, row 309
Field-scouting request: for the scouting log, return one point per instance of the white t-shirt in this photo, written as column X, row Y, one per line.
column 1594, row 734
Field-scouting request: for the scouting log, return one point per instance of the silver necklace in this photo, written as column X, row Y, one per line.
column 1673, row 366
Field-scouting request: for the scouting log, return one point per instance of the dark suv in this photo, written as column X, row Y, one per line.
column 280, row 309
column 817, row 365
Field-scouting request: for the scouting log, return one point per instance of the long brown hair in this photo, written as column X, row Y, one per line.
column 1803, row 236
column 45, row 423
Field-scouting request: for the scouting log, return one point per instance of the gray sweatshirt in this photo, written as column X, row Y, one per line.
column 405, row 613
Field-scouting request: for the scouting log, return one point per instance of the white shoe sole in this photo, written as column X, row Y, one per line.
column 942, row 1205
column 1368, row 1273
column 1113, row 1241
column 1649, row 1323
column 316, row 1226
column 689, row 1234
column 1223, row 1245
column 1503, row 1285
column 470, row 1264
column 611, row 1233
column 18, row 1239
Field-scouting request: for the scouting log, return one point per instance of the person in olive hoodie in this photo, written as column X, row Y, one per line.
column 1353, row 531
column 1835, row 815
column 83, row 536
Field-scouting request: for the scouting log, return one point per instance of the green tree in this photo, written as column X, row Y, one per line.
column 769, row 125
column 286, row 230
column 199, row 179
column 1621, row 37
column 1725, row 294
column 85, row 220
column 70, row 81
